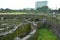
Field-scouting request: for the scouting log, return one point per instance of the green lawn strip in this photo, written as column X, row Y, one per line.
column 46, row 34
column 14, row 13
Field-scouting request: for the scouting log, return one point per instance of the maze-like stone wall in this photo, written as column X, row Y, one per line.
column 21, row 31
column 35, row 21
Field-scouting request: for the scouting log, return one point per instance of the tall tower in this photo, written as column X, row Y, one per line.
column 39, row 4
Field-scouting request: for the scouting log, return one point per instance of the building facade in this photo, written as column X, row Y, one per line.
column 40, row 4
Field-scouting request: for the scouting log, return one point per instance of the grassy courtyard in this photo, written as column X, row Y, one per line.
column 46, row 34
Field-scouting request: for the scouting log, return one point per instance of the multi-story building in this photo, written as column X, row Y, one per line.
column 40, row 4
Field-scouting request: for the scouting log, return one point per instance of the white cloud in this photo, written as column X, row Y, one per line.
column 19, row 4
column 54, row 4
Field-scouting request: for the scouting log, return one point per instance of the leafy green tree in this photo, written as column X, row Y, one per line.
column 44, row 9
column 59, row 10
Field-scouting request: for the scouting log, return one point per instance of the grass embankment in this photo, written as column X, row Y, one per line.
column 46, row 34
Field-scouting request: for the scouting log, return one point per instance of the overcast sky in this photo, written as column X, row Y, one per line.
column 19, row 4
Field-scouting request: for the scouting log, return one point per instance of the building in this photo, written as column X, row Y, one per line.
column 40, row 4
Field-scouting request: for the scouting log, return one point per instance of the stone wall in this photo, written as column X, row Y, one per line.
column 33, row 19
column 22, row 30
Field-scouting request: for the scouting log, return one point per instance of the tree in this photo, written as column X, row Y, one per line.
column 43, row 9
column 59, row 10
column 7, row 10
column 2, row 10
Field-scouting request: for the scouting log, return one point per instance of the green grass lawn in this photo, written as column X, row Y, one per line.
column 46, row 34
column 14, row 13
